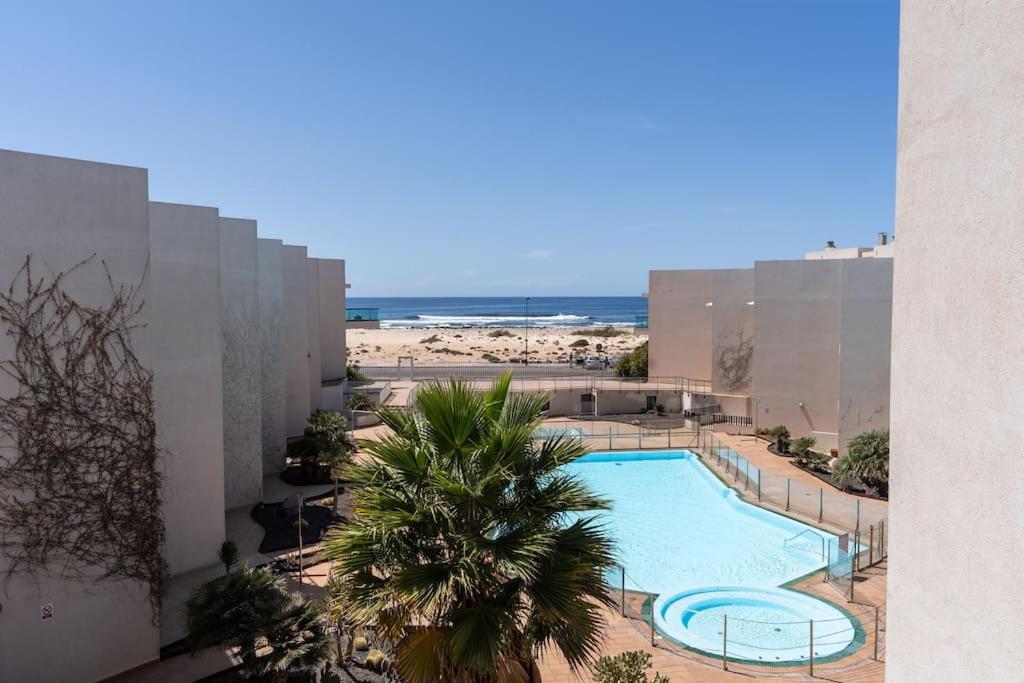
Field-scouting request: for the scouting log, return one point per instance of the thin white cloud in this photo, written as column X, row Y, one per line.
column 539, row 254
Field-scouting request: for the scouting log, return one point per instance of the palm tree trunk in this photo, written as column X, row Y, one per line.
column 534, row 670
column 335, row 495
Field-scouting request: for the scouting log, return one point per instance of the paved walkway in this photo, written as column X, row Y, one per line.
column 247, row 535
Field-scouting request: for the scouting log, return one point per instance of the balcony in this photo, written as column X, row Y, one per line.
column 367, row 318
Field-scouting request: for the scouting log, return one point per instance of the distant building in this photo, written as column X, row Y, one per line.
column 214, row 331
column 803, row 343
column 885, row 248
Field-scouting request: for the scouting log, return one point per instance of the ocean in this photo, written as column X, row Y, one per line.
column 544, row 311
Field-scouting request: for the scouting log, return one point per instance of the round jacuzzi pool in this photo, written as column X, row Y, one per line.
column 759, row 624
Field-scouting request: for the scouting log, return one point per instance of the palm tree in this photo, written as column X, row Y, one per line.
column 470, row 549
column 228, row 555
column 867, row 460
column 326, row 442
column 250, row 609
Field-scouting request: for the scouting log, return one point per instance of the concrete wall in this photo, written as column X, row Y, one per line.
column 957, row 375
column 865, row 347
column 796, row 357
column 332, row 318
column 272, row 355
column 732, row 330
column 61, row 211
column 679, row 324
column 690, row 338
column 187, row 386
column 821, row 361
column 240, row 315
column 313, row 331
column 295, row 325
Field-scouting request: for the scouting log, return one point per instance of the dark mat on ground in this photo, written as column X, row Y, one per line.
column 293, row 475
column 279, row 530
column 351, row 672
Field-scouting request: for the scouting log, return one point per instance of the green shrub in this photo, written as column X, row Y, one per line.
column 608, row 331
column 867, row 460
column 228, row 555
column 432, row 339
column 359, row 401
column 781, row 435
column 803, row 445
column 634, row 363
column 354, row 374
column 491, row 358
column 628, row 667
column 812, row 460
column 579, row 344
column 499, row 333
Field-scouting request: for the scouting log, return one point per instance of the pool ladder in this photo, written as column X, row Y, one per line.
column 807, row 531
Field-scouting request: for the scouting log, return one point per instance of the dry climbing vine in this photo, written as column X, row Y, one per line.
column 79, row 471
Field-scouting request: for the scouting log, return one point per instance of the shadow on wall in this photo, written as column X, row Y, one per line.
column 735, row 363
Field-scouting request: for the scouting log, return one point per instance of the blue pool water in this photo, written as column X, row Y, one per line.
column 679, row 531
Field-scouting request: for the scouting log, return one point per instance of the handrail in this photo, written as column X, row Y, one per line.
column 808, row 531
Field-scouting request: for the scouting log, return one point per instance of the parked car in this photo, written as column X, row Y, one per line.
column 593, row 363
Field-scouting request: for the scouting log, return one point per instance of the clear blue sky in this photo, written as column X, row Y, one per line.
column 482, row 148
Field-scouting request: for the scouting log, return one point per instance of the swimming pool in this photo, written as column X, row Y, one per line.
column 680, row 531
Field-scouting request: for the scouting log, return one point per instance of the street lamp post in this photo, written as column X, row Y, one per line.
column 526, row 333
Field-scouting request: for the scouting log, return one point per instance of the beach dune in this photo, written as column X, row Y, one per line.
column 481, row 345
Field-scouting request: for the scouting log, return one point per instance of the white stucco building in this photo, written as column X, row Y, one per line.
column 213, row 330
column 803, row 343
column 957, row 373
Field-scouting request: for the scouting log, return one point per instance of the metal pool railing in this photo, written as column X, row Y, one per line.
column 824, row 503
column 804, row 533
column 863, row 626
column 794, row 496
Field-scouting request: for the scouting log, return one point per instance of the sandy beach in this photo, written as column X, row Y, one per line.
column 480, row 345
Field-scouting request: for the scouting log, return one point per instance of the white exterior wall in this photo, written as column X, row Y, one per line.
column 732, row 331
column 679, row 323
column 313, row 335
column 272, row 356
column 187, row 386
column 332, row 319
column 61, row 211
column 796, row 357
column 821, row 361
column 701, row 327
column 865, row 347
column 240, row 316
column 295, row 326
column 954, row 613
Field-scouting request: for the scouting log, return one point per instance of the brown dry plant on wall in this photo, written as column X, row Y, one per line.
column 79, row 465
